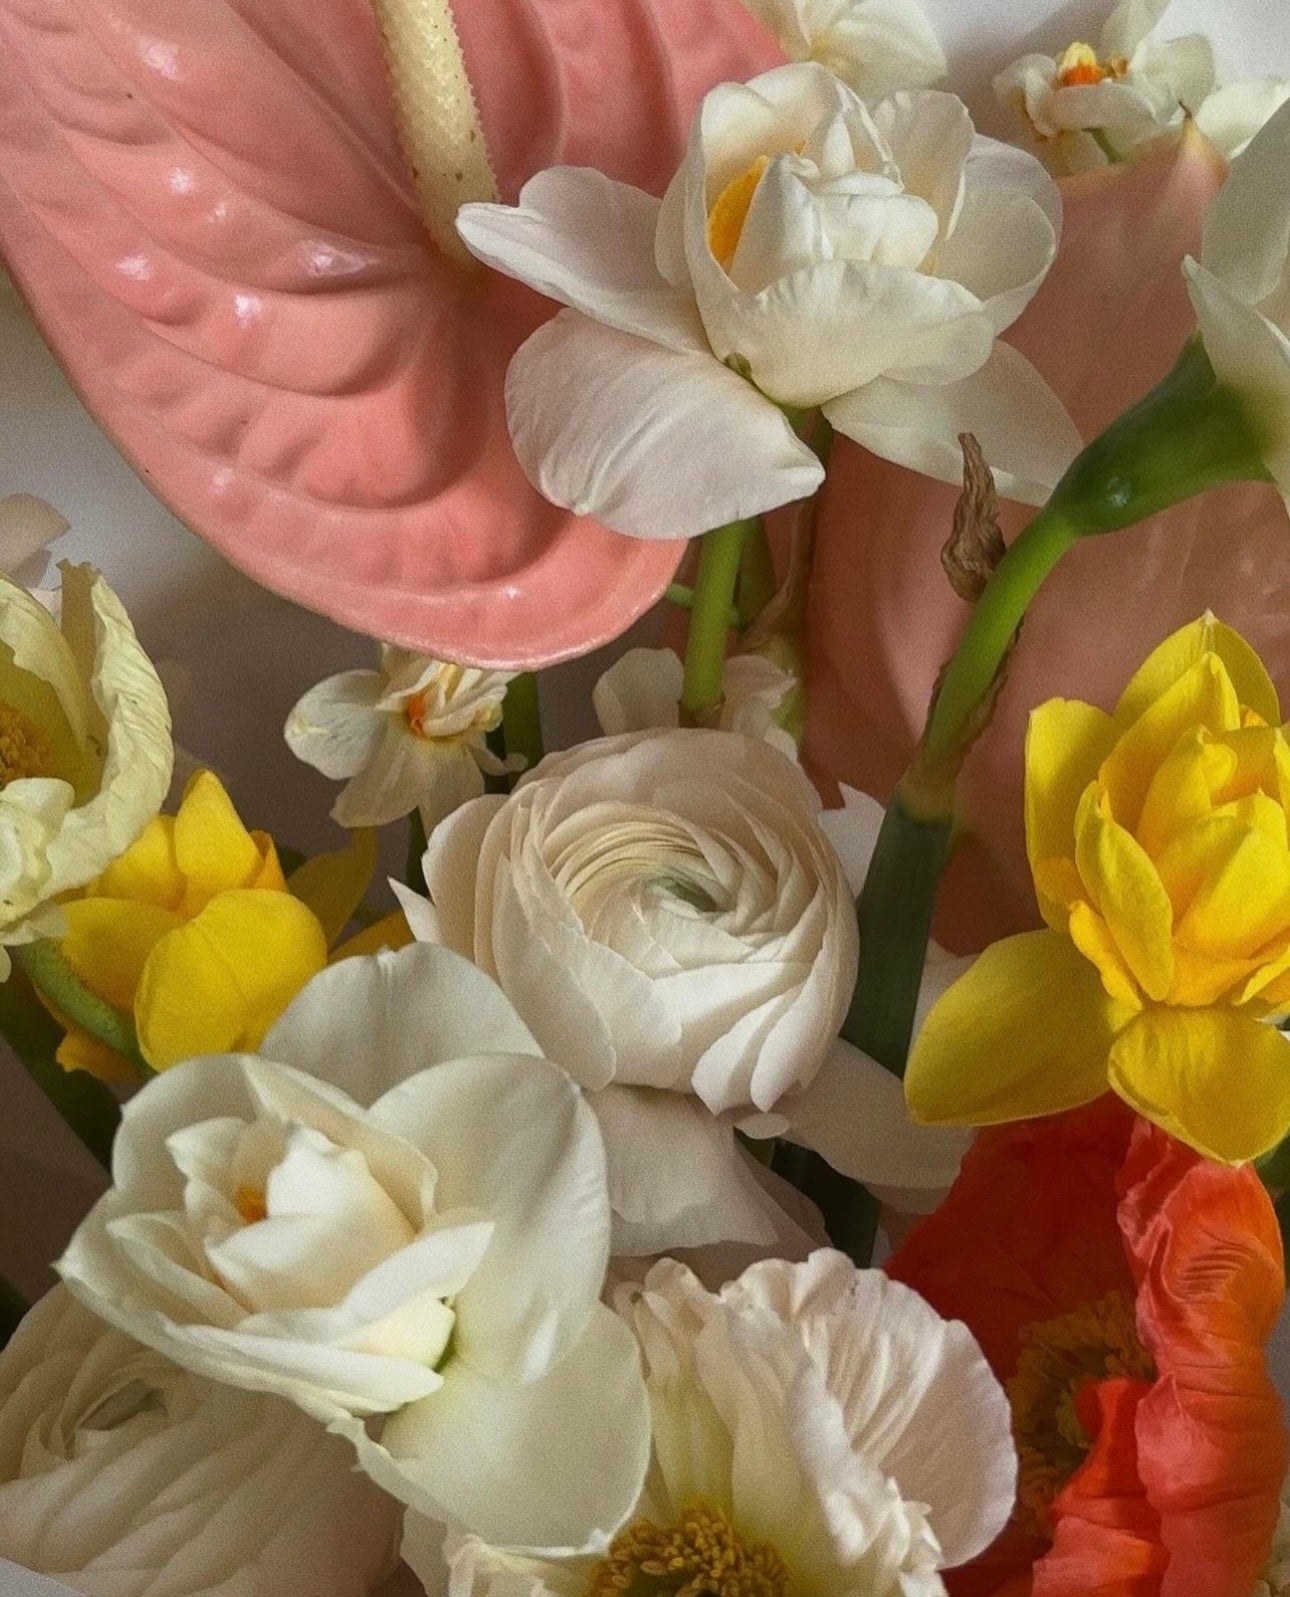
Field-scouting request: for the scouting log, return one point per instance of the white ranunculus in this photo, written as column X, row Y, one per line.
column 874, row 46
column 642, row 689
column 810, row 252
column 1092, row 106
column 814, row 1424
column 1241, row 290
column 85, row 748
column 123, row 1475
column 416, row 1231
column 411, row 736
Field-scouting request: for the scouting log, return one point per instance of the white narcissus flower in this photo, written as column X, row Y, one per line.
column 85, row 747
column 1241, row 291
column 809, row 252
column 642, row 689
column 409, row 1243
column 1092, row 106
column 874, row 46
column 122, row 1475
column 819, row 1431
column 411, row 736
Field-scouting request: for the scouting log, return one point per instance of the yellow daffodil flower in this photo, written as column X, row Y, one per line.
column 196, row 933
column 1158, row 844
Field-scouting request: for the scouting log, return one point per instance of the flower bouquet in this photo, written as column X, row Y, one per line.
column 827, row 1134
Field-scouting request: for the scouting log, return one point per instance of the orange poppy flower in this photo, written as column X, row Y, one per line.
column 1123, row 1289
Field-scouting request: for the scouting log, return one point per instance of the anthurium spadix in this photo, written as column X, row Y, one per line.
column 810, row 253
column 276, row 323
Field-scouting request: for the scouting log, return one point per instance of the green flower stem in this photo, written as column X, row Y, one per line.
column 756, row 585
column 83, row 1102
column 714, row 593
column 413, row 875
column 46, row 968
column 522, row 718
column 12, row 1308
column 678, row 594
column 850, row 1211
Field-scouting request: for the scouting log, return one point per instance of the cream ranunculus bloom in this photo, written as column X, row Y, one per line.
column 85, row 749
column 810, row 252
column 819, row 1431
column 123, row 1475
column 874, row 46
column 1241, row 290
column 409, row 1243
column 411, row 736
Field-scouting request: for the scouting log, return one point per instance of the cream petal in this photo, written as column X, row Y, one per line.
column 1000, row 249
column 654, row 443
column 641, row 689
column 1234, row 113
column 853, row 831
column 396, row 778
column 1245, row 238
column 335, row 727
column 1128, row 25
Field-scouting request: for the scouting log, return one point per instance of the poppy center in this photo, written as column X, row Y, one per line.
column 702, row 1555
column 1058, row 1359
column 1079, row 67
column 24, row 748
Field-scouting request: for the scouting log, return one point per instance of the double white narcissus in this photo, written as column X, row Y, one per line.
column 123, row 1474
column 409, row 1243
column 809, row 252
column 85, row 748
column 818, row 1431
column 874, row 46
column 1241, row 291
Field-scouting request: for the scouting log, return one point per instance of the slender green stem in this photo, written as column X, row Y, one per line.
column 714, row 592
column 45, row 966
column 413, row 875
column 678, row 594
column 850, row 1211
column 522, row 718
column 84, row 1103
column 756, row 585
column 12, row 1308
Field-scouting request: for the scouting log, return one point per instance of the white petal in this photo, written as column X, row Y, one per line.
column 579, row 237
column 653, row 443
column 367, row 1024
column 877, row 46
column 543, row 1465
column 641, row 689
column 335, row 727
column 853, row 831
column 1000, row 249
column 1181, row 69
column 930, row 136
column 27, row 524
column 1022, row 427
column 1128, row 25
column 1247, row 227
column 512, row 1138
column 1233, row 114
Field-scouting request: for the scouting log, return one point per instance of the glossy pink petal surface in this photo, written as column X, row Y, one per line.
column 207, row 208
column 1107, row 324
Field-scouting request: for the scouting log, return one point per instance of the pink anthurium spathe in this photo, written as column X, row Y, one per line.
column 1105, row 326
column 208, row 208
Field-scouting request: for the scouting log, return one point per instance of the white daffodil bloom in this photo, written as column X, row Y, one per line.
column 810, row 252
column 1092, row 106
column 411, row 736
column 85, row 747
column 874, row 46
column 122, row 1473
column 819, row 1431
column 642, row 690
column 409, row 1243
column 1241, row 290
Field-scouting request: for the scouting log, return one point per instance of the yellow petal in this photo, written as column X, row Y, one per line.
column 215, row 851
column 1213, row 1078
column 1066, row 742
column 1230, row 887
column 108, row 942
column 79, row 1051
column 217, row 983
column 269, row 873
column 1025, row 1032
column 148, row 872
column 392, row 932
column 1092, row 936
column 1182, row 790
column 333, row 885
column 1126, row 889
column 1181, row 652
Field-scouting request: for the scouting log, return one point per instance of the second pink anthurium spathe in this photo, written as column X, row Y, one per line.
column 210, row 213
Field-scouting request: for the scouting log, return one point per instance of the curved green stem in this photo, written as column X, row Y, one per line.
column 714, row 594
column 522, row 718
column 46, row 968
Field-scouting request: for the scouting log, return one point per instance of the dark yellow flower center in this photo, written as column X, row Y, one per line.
column 1058, row 1359
column 700, row 1556
column 727, row 217
column 251, row 1204
column 24, row 748
column 1080, row 67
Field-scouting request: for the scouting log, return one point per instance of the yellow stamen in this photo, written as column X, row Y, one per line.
column 727, row 217
column 24, row 748
column 700, row 1556
column 251, row 1205
column 1080, row 67
column 1058, row 1358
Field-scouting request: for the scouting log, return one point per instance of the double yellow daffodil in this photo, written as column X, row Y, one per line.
column 1158, row 842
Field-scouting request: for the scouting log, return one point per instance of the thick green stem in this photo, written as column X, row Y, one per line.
column 714, row 593
column 72, row 999
column 522, row 718
column 756, row 586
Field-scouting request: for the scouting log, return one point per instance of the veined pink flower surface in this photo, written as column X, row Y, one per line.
column 1106, row 325
column 209, row 211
